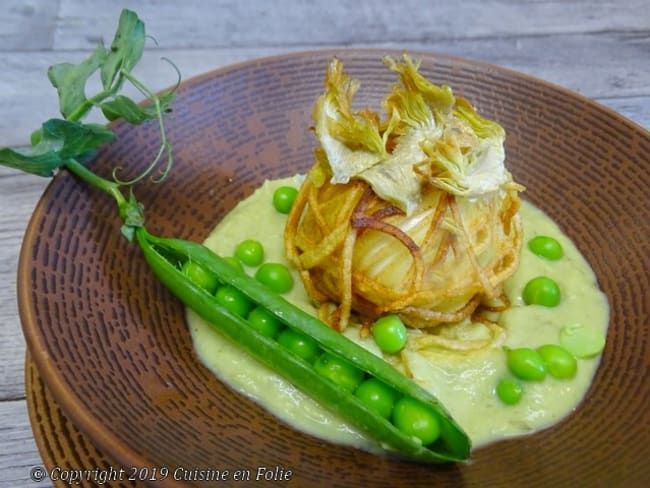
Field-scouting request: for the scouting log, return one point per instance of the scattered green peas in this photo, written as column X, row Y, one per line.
column 283, row 198
column 581, row 341
column 389, row 333
column 233, row 300
column 526, row 364
column 250, row 252
column 509, row 391
column 414, row 418
column 377, row 396
column 559, row 362
column 265, row 322
column 276, row 276
column 339, row 371
column 547, row 247
column 542, row 291
column 300, row 344
column 200, row 277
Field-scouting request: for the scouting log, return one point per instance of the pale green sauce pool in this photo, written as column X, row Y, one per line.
column 463, row 382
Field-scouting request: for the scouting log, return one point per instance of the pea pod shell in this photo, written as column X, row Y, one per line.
column 453, row 444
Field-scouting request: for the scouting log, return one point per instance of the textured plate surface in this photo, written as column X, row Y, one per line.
column 112, row 345
column 60, row 443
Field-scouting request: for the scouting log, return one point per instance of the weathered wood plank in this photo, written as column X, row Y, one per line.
column 231, row 23
column 28, row 24
column 18, row 453
column 606, row 65
column 18, row 196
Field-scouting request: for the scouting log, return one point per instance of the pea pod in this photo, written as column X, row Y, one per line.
column 163, row 255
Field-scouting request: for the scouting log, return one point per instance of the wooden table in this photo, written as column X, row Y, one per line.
column 600, row 49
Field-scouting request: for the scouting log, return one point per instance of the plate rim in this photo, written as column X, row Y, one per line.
column 63, row 394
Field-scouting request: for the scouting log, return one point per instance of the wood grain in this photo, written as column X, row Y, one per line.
column 599, row 49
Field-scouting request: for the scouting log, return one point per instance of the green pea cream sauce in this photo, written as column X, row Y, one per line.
column 464, row 382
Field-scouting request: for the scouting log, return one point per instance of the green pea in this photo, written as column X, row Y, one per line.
column 546, row 247
column 417, row 419
column 582, row 341
column 509, row 391
column 283, row 198
column 265, row 322
column 339, row 371
column 233, row 300
column 377, row 396
column 200, row 277
column 275, row 276
column 542, row 291
column 526, row 364
column 559, row 362
column 300, row 344
column 390, row 333
column 250, row 252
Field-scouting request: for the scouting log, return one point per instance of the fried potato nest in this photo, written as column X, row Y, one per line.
column 415, row 214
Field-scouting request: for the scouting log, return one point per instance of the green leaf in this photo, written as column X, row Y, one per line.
column 70, row 83
column 58, row 141
column 125, row 51
column 126, row 108
column 76, row 139
column 37, row 164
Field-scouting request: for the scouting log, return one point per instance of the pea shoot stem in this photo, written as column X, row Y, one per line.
column 110, row 187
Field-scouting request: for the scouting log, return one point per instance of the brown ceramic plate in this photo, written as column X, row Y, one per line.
column 112, row 344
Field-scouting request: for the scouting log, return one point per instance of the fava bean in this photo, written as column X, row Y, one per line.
column 546, row 247
column 581, row 341
column 542, row 291
column 526, row 364
column 559, row 362
column 509, row 391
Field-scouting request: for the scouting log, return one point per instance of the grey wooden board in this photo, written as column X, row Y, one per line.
column 600, row 49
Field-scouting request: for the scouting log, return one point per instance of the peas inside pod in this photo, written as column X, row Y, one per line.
column 199, row 276
column 377, row 396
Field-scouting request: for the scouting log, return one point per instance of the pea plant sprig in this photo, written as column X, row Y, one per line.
column 68, row 142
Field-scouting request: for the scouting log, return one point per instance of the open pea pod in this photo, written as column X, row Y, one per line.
column 165, row 256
